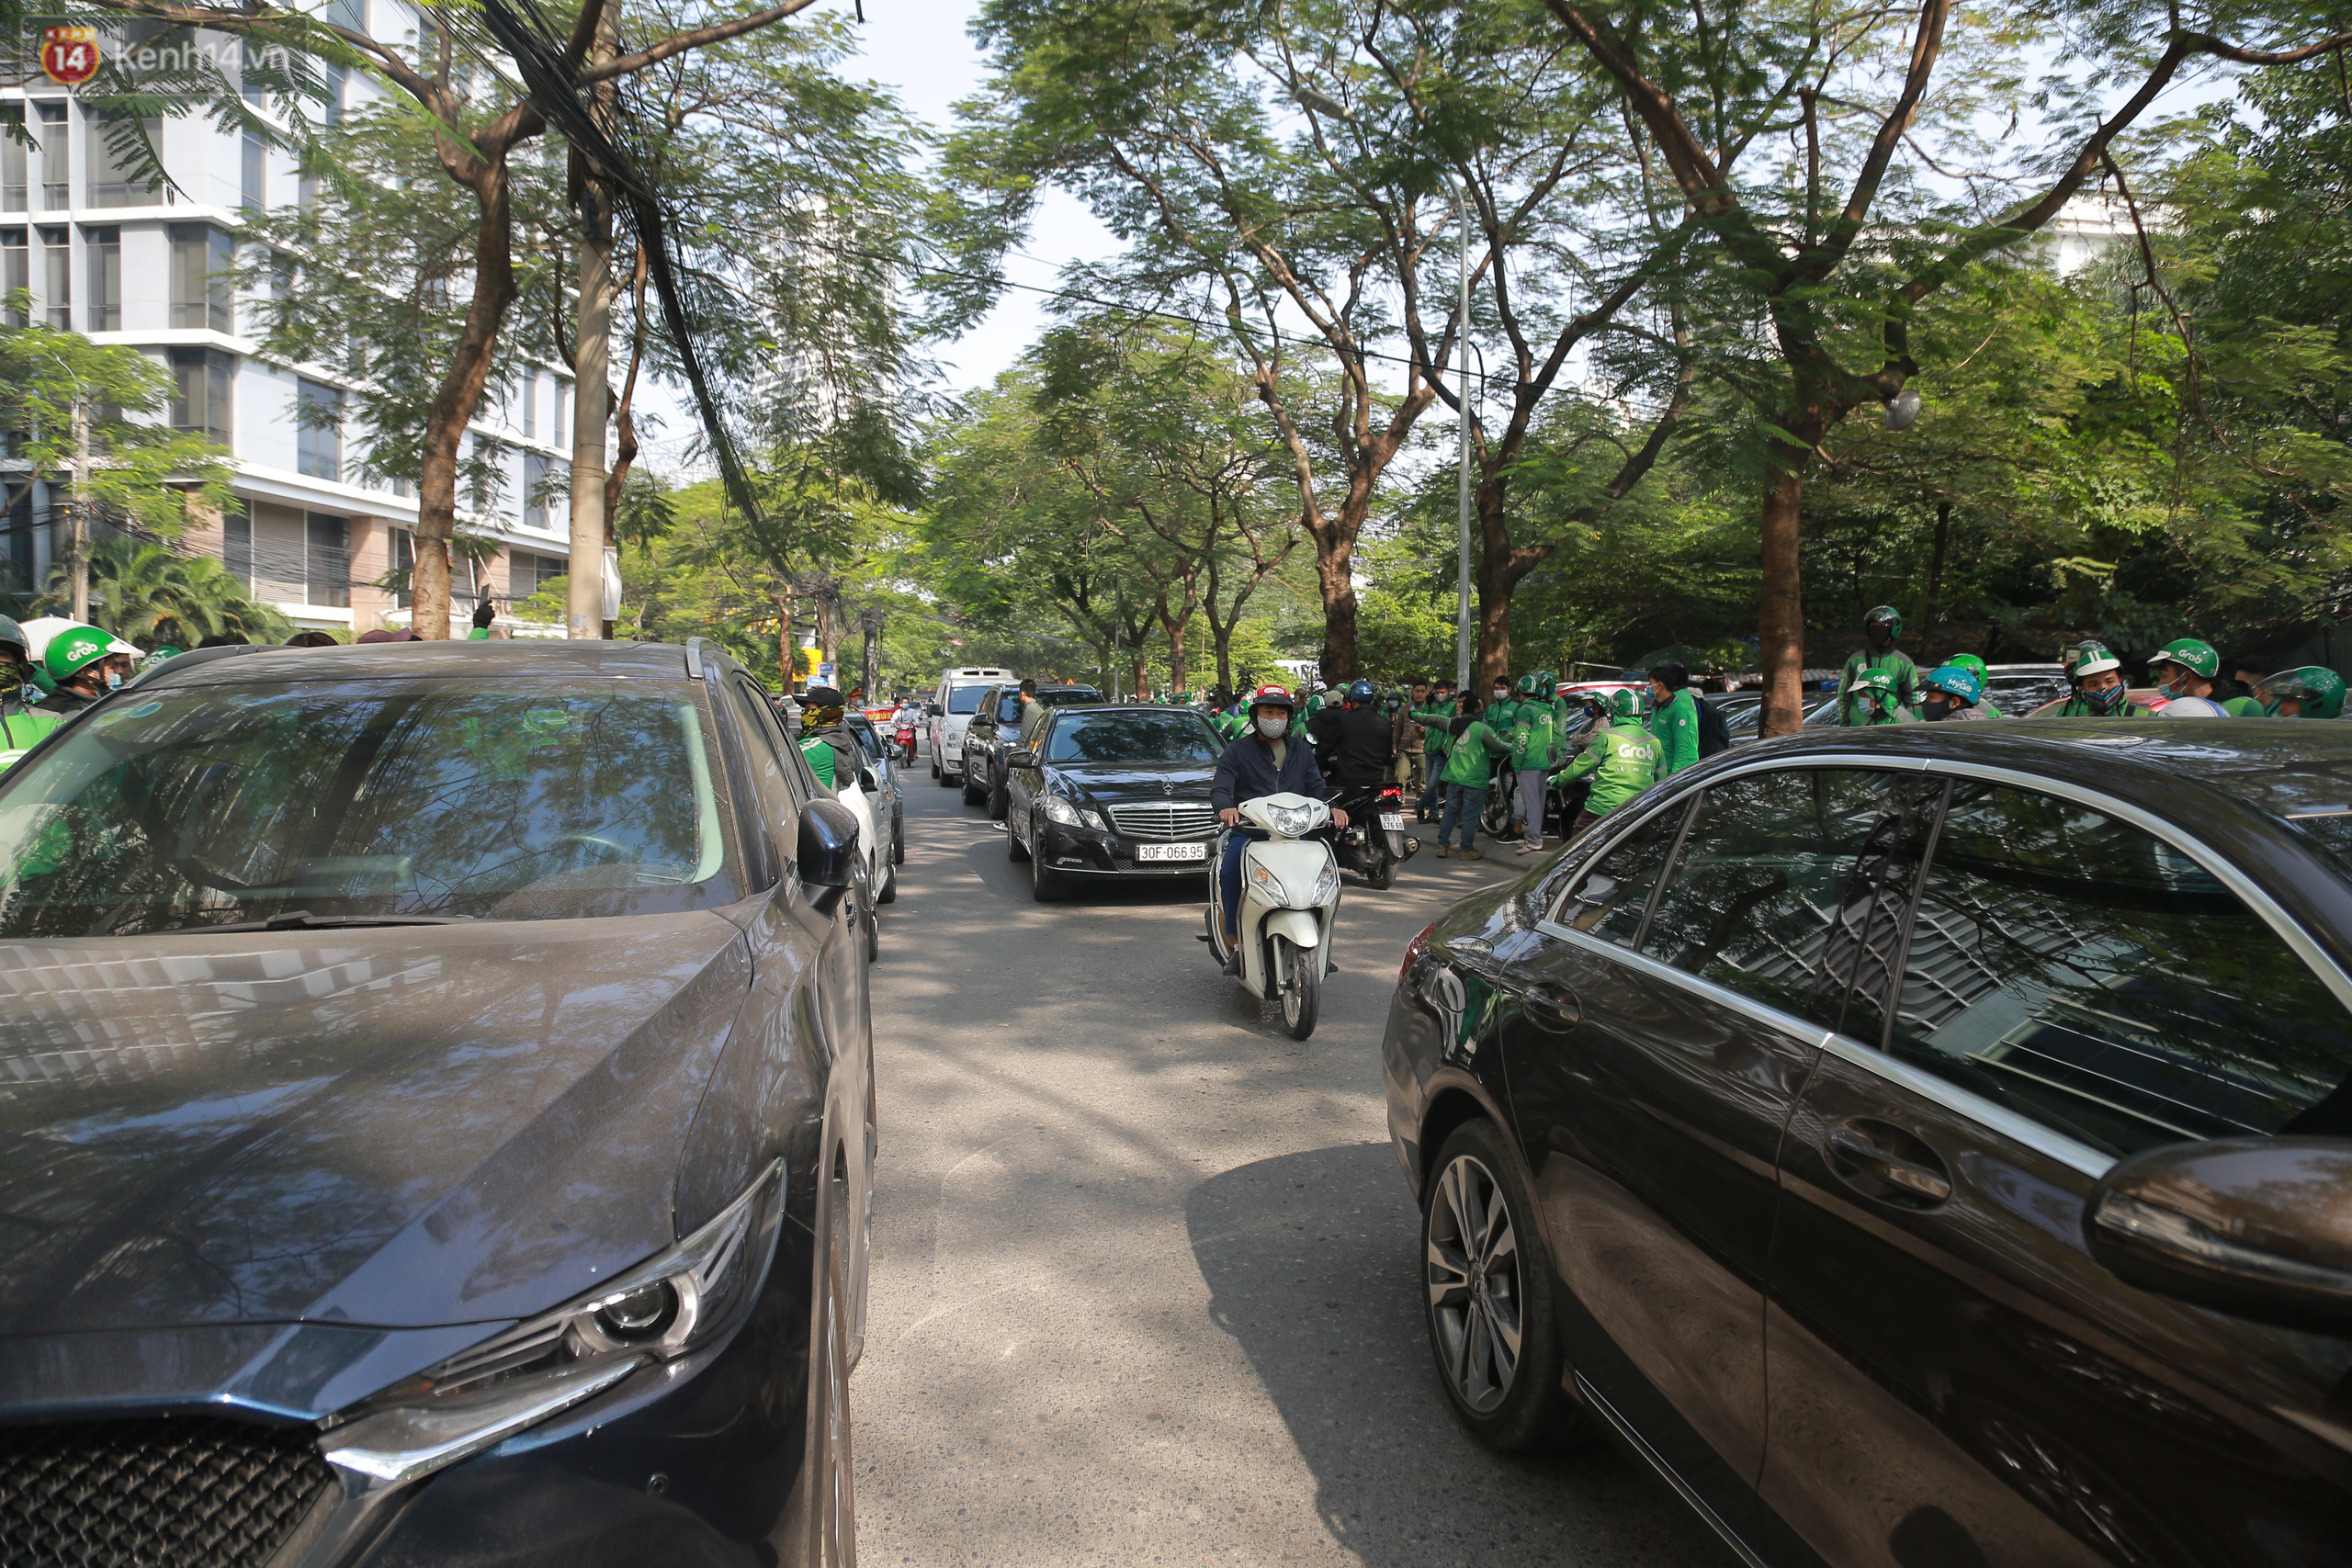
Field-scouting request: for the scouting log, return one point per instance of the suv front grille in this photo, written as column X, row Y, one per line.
column 1164, row 819
column 173, row 1491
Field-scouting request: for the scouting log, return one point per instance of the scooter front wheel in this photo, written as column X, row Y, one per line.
column 1301, row 983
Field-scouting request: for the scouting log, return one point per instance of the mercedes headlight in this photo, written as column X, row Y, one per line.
column 1066, row 812
column 674, row 1303
column 1291, row 822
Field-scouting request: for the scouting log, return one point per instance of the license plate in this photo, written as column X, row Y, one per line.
column 1394, row 821
column 1171, row 851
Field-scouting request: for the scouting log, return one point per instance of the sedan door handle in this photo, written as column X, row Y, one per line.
column 1911, row 1168
column 1555, row 1005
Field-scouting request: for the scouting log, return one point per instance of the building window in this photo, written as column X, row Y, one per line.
column 556, row 431
column 56, row 171
column 57, row 278
column 254, row 180
column 16, row 272
column 327, row 561
column 118, row 177
column 104, row 249
column 404, row 557
column 12, row 158
column 237, row 543
column 201, row 257
column 530, row 408
column 527, row 573
column 534, row 490
column 202, row 382
column 319, row 438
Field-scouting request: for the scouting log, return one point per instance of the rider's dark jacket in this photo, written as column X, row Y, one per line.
column 1246, row 771
column 1356, row 745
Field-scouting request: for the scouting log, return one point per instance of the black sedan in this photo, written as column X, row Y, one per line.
column 437, row 1117
column 1113, row 792
column 1919, row 1147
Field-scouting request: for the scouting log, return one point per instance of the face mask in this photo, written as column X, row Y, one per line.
column 2106, row 701
column 1273, row 727
column 1935, row 707
column 2177, row 685
column 1501, row 693
column 114, row 681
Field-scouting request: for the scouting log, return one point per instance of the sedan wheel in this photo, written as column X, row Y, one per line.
column 1014, row 850
column 972, row 796
column 833, row 1510
column 890, row 893
column 1488, row 1283
column 1045, row 886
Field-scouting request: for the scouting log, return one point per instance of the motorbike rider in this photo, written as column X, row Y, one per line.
column 2187, row 670
column 21, row 728
column 1620, row 754
column 77, row 658
column 1675, row 718
column 2100, row 691
column 1469, row 768
column 825, row 741
column 1882, row 624
column 1950, row 690
column 2312, row 691
column 1975, row 666
column 1266, row 761
column 1353, row 741
column 1535, row 752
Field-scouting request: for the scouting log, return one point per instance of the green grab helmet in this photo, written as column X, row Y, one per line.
column 2091, row 659
column 1878, row 683
column 2316, row 690
column 1971, row 663
column 2198, row 658
column 1525, row 686
column 1547, row 684
column 1625, row 703
column 74, row 649
column 1956, row 680
column 1886, row 615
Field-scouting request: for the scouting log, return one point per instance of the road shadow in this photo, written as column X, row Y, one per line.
column 1309, row 1258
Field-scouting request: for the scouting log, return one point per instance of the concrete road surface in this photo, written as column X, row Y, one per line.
column 1144, row 1282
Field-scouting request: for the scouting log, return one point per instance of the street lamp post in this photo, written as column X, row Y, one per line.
column 1462, row 558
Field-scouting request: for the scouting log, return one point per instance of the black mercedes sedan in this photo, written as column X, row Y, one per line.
column 1112, row 792
column 435, row 1117
column 1920, row 1146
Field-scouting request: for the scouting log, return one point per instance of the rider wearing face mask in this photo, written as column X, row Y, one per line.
column 21, row 728
column 77, row 662
column 1265, row 760
column 1881, row 626
column 2100, row 691
column 2188, row 672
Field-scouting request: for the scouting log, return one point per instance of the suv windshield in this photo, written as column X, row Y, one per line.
column 379, row 799
column 1114, row 735
column 965, row 699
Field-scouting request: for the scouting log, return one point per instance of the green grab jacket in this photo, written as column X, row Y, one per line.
column 1466, row 763
column 1622, row 759
column 1676, row 725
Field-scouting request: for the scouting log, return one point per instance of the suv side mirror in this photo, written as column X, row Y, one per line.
column 828, row 849
column 1024, row 758
column 2260, row 1228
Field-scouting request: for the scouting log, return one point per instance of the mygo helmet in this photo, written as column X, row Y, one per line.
column 2316, row 690
column 1954, row 681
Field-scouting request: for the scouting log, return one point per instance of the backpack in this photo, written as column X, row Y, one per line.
column 1714, row 735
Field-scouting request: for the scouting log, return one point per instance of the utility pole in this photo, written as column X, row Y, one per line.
column 77, row 516
column 592, row 353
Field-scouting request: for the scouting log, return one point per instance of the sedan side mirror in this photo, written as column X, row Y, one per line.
column 827, row 851
column 1021, row 760
column 2260, row 1228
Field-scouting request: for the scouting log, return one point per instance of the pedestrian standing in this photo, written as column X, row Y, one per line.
column 1675, row 718
column 1468, row 767
column 1881, row 626
column 1437, row 727
column 1412, row 740
column 1534, row 748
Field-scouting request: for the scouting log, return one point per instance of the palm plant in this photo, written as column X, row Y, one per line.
column 152, row 595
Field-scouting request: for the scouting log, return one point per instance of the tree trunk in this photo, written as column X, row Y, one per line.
column 871, row 654
column 452, row 405
column 1172, row 626
column 829, row 629
column 786, row 656
column 592, row 357
column 1335, row 551
column 1780, row 616
column 1934, row 607
column 1223, row 637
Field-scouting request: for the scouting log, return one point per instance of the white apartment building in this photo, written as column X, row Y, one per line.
column 126, row 263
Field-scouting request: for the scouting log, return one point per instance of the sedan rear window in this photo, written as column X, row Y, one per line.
column 1115, row 737
column 224, row 806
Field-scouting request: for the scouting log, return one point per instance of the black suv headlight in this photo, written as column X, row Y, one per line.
column 673, row 1302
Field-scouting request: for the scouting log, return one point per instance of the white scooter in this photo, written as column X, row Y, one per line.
column 1289, row 894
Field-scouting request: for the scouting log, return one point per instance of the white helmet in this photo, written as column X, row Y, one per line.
column 2194, row 707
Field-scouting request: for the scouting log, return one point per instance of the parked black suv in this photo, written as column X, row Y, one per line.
column 996, row 730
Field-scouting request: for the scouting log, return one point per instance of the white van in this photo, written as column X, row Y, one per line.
column 958, row 694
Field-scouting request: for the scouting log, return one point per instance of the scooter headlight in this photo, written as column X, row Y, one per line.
column 1291, row 822
column 1270, row 885
column 1327, row 886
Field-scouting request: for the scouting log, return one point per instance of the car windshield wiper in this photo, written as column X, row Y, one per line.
column 302, row 920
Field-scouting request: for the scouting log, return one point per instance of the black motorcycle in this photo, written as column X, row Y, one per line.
column 1373, row 844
